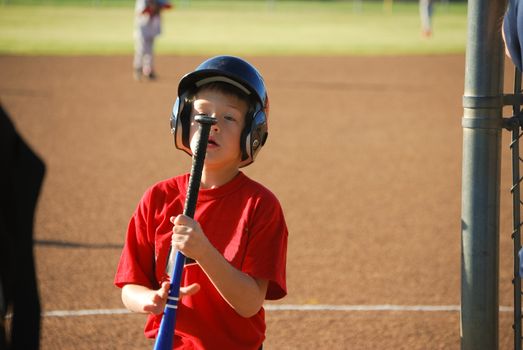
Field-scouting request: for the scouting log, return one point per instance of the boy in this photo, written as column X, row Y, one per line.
column 238, row 237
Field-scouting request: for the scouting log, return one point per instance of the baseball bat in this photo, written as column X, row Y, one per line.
column 164, row 339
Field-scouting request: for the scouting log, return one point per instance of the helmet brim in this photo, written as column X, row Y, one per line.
column 228, row 69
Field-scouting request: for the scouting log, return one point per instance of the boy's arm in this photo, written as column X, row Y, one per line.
column 242, row 292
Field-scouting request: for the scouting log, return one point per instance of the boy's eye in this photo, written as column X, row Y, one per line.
column 230, row 118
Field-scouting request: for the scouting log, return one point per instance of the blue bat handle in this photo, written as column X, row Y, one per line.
column 168, row 324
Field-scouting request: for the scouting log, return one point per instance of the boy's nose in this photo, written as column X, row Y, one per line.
column 216, row 127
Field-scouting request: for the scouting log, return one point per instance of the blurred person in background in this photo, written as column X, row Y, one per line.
column 147, row 26
column 512, row 32
column 426, row 9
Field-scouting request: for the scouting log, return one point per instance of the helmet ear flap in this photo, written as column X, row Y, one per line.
column 255, row 137
column 180, row 123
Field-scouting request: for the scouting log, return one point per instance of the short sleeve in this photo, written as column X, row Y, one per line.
column 136, row 265
column 266, row 255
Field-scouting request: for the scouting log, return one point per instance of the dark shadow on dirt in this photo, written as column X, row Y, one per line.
column 75, row 245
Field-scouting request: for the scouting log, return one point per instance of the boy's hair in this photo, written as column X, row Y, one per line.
column 230, row 75
column 224, row 88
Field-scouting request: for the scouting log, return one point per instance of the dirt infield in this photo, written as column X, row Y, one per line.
column 364, row 154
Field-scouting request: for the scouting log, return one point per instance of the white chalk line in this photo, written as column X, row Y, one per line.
column 291, row 307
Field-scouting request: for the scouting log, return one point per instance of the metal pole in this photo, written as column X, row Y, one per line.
column 482, row 125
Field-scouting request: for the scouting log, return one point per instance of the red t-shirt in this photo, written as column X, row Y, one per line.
column 244, row 222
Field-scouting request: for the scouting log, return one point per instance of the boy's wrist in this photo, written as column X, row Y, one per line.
column 209, row 256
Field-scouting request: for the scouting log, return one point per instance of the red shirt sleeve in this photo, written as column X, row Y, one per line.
column 267, row 248
column 136, row 264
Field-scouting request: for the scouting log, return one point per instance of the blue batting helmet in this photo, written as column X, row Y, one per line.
column 239, row 73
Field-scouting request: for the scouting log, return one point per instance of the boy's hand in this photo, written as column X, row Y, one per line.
column 156, row 305
column 188, row 237
column 158, row 298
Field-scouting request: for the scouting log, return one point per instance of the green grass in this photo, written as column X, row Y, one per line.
column 74, row 27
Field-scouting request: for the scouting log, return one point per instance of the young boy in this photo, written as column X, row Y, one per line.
column 238, row 237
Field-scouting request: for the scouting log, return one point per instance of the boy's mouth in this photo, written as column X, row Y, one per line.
column 212, row 142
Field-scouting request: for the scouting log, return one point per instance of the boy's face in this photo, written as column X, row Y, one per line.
column 223, row 149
